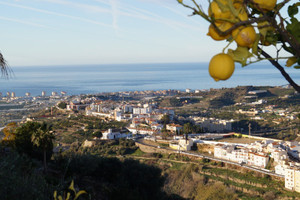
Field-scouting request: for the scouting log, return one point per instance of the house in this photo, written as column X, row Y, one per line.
column 111, row 134
column 182, row 145
column 76, row 105
column 258, row 159
column 279, row 155
column 188, row 90
column 289, row 177
column 143, row 131
column 174, row 128
column 241, row 155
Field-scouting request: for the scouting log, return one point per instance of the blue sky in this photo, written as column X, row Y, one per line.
column 55, row 32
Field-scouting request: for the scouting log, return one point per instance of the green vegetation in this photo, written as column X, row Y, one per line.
column 110, row 148
column 62, row 105
column 20, row 178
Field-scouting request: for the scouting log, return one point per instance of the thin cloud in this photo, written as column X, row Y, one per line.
column 115, row 13
column 56, row 14
column 132, row 11
column 23, row 22
column 80, row 6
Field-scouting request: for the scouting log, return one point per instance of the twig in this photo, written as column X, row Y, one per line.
column 281, row 69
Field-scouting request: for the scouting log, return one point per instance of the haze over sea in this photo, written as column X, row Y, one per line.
column 91, row 79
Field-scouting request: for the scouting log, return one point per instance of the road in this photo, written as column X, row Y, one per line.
column 264, row 171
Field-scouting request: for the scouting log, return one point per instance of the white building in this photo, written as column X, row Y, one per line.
column 182, row 145
column 142, row 131
column 241, row 155
column 279, row 155
column 174, row 128
column 258, row 159
column 127, row 109
column 156, row 126
column 138, row 111
column 289, row 178
column 111, row 135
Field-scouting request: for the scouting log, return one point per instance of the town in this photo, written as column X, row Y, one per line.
column 249, row 126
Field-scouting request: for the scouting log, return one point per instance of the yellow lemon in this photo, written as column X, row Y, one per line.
column 212, row 32
column 266, row 4
column 244, row 36
column 215, row 11
column 221, row 67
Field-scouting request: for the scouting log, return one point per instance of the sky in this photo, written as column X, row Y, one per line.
column 65, row 32
column 79, row 32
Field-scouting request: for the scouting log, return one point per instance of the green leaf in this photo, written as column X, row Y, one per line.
column 292, row 10
column 294, row 28
column 71, row 187
column 79, row 193
column 55, row 195
column 68, row 196
column 263, row 28
column 241, row 54
column 291, row 61
column 297, row 67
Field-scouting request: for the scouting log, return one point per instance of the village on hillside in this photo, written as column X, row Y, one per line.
column 252, row 128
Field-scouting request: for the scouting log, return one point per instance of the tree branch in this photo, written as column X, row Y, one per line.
column 238, row 24
column 287, row 37
column 281, row 69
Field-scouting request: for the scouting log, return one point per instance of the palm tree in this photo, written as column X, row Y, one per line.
column 5, row 71
column 43, row 137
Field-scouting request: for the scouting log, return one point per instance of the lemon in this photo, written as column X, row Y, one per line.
column 221, row 67
column 244, row 36
column 266, row 4
column 212, row 32
column 215, row 11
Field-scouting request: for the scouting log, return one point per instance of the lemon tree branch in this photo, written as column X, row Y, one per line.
column 281, row 69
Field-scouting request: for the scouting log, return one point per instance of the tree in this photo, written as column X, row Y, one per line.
column 5, row 71
column 35, row 140
column 23, row 138
column 187, row 128
column 165, row 119
column 42, row 138
column 256, row 27
column 98, row 134
column 62, row 105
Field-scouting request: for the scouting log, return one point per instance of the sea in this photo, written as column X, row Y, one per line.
column 93, row 79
